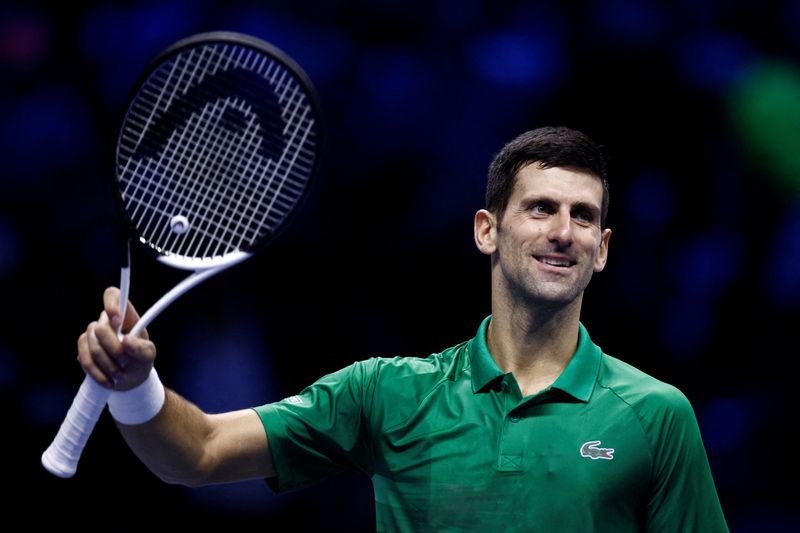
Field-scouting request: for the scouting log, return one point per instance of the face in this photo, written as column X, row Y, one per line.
column 548, row 242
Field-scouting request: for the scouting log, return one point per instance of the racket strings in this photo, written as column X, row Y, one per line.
column 201, row 196
column 164, row 193
column 191, row 199
column 142, row 107
column 214, row 173
column 225, row 188
column 207, row 96
column 204, row 194
column 262, row 62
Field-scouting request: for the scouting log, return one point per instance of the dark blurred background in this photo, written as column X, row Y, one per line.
column 696, row 101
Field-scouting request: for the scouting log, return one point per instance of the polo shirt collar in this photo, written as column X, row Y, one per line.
column 580, row 375
column 577, row 379
column 483, row 367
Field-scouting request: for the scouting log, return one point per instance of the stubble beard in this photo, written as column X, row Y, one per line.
column 530, row 291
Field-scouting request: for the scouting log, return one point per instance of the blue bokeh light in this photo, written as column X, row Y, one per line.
column 122, row 39
column 47, row 130
column 725, row 422
column 782, row 270
column 518, row 59
column 713, row 60
column 226, row 368
column 707, row 263
column 650, row 201
column 631, row 21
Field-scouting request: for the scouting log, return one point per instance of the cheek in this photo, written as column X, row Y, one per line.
column 526, row 231
column 520, row 237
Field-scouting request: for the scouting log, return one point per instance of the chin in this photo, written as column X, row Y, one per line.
column 554, row 296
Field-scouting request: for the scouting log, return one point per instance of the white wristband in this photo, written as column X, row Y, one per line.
column 139, row 404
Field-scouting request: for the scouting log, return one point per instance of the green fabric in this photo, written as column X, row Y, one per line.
column 451, row 445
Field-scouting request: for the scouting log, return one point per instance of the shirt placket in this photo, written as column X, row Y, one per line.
column 510, row 457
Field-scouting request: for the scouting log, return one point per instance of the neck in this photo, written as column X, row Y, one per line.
column 535, row 343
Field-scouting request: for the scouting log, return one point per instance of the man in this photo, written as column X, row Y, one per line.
column 528, row 426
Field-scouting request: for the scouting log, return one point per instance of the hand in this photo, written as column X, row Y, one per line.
column 114, row 364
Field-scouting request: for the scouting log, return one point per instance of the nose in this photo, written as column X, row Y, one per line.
column 560, row 230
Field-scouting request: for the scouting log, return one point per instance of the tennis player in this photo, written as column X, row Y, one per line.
column 527, row 426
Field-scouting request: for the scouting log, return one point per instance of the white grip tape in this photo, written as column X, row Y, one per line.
column 61, row 457
column 139, row 404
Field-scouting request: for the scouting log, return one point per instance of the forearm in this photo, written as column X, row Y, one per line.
column 172, row 444
column 182, row 444
column 173, row 437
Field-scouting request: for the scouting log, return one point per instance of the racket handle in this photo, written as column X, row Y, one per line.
column 61, row 457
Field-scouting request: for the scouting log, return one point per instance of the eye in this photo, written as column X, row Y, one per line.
column 584, row 216
column 540, row 208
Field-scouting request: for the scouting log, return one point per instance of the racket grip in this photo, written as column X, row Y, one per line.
column 61, row 457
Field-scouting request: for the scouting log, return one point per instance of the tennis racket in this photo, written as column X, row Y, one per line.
column 217, row 149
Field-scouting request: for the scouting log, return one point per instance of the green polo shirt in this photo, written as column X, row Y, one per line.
column 451, row 445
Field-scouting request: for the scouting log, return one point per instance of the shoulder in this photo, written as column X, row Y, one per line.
column 392, row 388
column 663, row 412
column 644, row 393
column 423, row 369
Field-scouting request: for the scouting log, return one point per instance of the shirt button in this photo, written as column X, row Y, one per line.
column 514, row 419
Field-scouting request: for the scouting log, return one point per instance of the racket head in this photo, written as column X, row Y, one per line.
column 217, row 149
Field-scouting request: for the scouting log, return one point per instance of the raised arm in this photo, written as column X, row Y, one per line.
column 180, row 444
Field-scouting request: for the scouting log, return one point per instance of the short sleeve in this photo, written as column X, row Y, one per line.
column 684, row 497
column 320, row 431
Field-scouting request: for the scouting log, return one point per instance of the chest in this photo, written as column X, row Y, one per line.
column 462, row 452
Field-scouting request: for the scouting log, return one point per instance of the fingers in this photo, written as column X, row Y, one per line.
column 111, row 302
column 112, row 363
column 111, row 306
column 136, row 360
column 99, row 350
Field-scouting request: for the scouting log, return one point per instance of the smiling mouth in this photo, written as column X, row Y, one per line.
column 554, row 261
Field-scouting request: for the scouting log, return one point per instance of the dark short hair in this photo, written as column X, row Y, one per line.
column 549, row 147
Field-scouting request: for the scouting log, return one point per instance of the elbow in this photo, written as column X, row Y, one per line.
column 187, row 480
column 191, row 483
column 189, row 475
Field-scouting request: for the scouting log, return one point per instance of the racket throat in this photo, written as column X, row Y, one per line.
column 124, row 285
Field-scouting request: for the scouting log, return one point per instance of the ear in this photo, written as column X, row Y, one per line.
column 485, row 231
column 602, row 253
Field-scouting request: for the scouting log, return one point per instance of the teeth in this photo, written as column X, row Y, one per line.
column 554, row 262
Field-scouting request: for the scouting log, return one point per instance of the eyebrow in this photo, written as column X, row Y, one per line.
column 595, row 210
column 550, row 200
column 577, row 206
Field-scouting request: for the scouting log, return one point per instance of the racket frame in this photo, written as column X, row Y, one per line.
column 290, row 65
column 62, row 456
